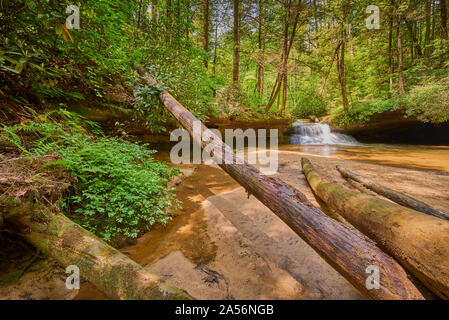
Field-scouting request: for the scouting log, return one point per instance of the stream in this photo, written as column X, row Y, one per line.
column 254, row 255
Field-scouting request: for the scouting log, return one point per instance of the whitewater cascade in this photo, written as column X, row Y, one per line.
column 317, row 134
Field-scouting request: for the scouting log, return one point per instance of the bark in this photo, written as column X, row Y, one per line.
column 215, row 51
column 443, row 11
column 351, row 41
column 206, row 31
column 110, row 271
column 260, row 59
column 235, row 71
column 428, row 28
column 398, row 197
column 390, row 48
column 414, row 44
column 341, row 73
column 418, row 241
column 400, row 75
column 346, row 249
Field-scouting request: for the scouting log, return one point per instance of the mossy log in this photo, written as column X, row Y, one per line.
column 345, row 249
column 418, row 241
column 398, row 197
column 110, row 271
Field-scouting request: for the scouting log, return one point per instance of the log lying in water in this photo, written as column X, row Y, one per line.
column 347, row 250
column 110, row 271
column 420, row 242
column 393, row 195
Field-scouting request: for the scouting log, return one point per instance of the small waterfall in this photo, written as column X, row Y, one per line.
column 317, row 134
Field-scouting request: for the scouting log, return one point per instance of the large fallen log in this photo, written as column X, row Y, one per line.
column 418, row 241
column 347, row 250
column 398, row 197
column 110, row 271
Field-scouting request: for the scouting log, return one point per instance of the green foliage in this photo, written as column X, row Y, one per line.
column 121, row 189
column 429, row 102
column 309, row 100
column 362, row 112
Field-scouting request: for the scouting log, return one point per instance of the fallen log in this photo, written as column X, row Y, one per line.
column 347, row 250
column 418, row 241
column 68, row 243
column 398, row 197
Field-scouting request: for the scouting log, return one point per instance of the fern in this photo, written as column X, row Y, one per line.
column 121, row 190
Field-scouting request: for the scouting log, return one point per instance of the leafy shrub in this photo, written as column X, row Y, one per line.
column 362, row 112
column 429, row 102
column 121, row 189
column 309, row 100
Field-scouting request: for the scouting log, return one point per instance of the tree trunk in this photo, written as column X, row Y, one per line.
column 400, row 75
column 418, row 241
column 285, row 54
column 235, row 72
column 260, row 58
column 341, row 73
column 206, row 31
column 351, row 42
column 344, row 248
column 68, row 243
column 215, row 51
column 390, row 47
column 428, row 28
column 393, row 195
column 443, row 10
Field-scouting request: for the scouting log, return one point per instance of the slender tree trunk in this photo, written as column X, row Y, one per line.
column 390, row 47
column 260, row 57
column 206, row 31
column 284, row 64
column 284, row 58
column 168, row 15
column 433, row 19
column 443, row 10
column 341, row 73
column 139, row 13
column 215, row 50
column 428, row 26
column 235, row 72
column 400, row 75
column 351, row 44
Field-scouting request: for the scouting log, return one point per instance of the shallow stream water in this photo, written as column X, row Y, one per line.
column 189, row 231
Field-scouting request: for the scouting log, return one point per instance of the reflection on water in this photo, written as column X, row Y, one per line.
column 408, row 156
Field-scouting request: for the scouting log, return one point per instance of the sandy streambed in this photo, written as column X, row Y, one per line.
column 222, row 245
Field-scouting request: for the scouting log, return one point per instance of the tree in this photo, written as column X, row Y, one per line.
column 281, row 79
column 206, row 31
column 390, row 44
column 400, row 74
column 236, row 62
column 443, row 10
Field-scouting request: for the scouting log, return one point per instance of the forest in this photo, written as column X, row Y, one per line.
column 91, row 91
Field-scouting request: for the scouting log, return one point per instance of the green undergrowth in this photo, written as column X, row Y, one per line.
column 120, row 191
column 426, row 102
